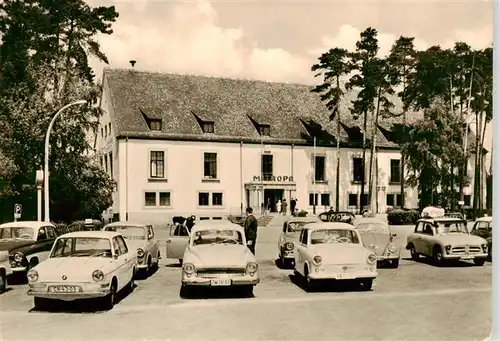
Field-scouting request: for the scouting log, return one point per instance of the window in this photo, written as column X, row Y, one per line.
column 157, row 166
column 353, row 200
column 364, row 200
column 217, row 199
column 150, row 199
column 105, row 130
column 325, row 199
column 303, row 237
column 398, row 199
column 419, row 228
column 203, row 199
column 102, row 162
column 111, row 163
column 102, row 132
column 265, row 130
column 208, row 127
column 116, row 246
column 267, row 167
column 389, row 199
column 210, row 165
column 358, row 169
column 313, row 199
column 151, row 232
column 106, row 163
column 467, row 200
column 109, row 128
column 154, row 124
column 395, row 171
column 122, row 244
column 164, row 198
column 319, row 172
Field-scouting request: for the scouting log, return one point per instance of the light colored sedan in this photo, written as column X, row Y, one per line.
column 334, row 251
column 289, row 237
column 83, row 265
column 140, row 237
column 217, row 256
column 5, row 270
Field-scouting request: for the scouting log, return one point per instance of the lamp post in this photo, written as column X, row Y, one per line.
column 46, row 164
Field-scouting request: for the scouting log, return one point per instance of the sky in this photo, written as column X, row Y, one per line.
column 278, row 40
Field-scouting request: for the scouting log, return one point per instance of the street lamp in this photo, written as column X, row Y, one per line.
column 46, row 166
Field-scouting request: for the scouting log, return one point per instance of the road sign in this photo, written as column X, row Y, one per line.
column 18, row 210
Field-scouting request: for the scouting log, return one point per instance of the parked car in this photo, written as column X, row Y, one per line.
column 332, row 216
column 378, row 237
column 483, row 227
column 5, row 270
column 217, row 256
column 289, row 237
column 334, row 251
column 178, row 241
column 28, row 243
column 140, row 237
column 446, row 239
column 84, row 265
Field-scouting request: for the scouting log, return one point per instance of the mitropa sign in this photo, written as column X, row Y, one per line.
column 275, row 178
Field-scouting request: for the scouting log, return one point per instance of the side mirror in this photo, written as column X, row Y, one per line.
column 394, row 234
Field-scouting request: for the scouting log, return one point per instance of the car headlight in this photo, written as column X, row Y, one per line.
column 252, row 267
column 317, row 260
column 289, row 246
column 97, row 275
column 485, row 247
column 372, row 258
column 32, row 275
column 18, row 257
column 140, row 253
column 393, row 248
column 188, row 268
column 447, row 248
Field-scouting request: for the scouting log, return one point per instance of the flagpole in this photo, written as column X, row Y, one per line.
column 314, row 175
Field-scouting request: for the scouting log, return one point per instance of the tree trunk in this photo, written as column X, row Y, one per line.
column 364, row 165
column 337, row 175
column 476, row 171
column 372, row 152
column 452, row 185
column 483, row 177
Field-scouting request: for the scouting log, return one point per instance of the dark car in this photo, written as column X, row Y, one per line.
column 28, row 243
column 332, row 216
column 483, row 227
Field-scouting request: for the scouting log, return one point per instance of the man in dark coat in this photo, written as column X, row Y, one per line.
column 293, row 203
column 251, row 225
column 190, row 222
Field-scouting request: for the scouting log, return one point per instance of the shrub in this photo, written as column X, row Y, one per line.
column 302, row 214
column 403, row 217
column 61, row 228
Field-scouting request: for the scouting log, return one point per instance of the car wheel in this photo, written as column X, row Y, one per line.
column 247, row 290
column 414, row 255
column 40, row 303
column 3, row 280
column 366, row 284
column 157, row 263
column 180, row 262
column 437, row 256
column 110, row 299
column 131, row 284
column 394, row 263
column 479, row 261
column 308, row 281
column 186, row 291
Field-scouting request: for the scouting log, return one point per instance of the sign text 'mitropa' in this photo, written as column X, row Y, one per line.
column 278, row 178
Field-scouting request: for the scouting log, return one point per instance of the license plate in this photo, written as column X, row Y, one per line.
column 65, row 288
column 220, row 282
column 344, row 276
column 467, row 257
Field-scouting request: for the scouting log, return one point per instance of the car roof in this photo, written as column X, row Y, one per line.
column 300, row 219
column 489, row 219
column 441, row 219
column 370, row 219
column 33, row 224
column 125, row 223
column 329, row 226
column 205, row 225
column 91, row 234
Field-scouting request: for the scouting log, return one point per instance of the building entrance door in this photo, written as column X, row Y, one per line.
column 271, row 198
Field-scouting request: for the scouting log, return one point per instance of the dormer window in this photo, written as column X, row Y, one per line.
column 208, row 127
column 154, row 124
column 265, row 130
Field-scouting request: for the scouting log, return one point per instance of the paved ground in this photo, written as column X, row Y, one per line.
column 417, row 301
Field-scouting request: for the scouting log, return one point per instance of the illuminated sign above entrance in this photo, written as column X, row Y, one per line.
column 278, row 178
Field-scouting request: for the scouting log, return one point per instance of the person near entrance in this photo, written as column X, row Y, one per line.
column 284, row 206
column 251, row 226
column 293, row 202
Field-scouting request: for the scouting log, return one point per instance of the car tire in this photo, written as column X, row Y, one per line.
column 110, row 299
column 180, row 261
column 479, row 261
column 414, row 254
column 394, row 263
column 3, row 280
column 186, row 291
column 40, row 303
column 247, row 290
column 131, row 284
column 437, row 255
column 157, row 263
column 366, row 284
column 309, row 283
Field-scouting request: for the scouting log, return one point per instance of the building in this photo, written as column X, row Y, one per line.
column 179, row 145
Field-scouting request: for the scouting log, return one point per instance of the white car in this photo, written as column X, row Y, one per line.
column 334, row 251
column 90, row 264
column 5, row 270
column 217, row 256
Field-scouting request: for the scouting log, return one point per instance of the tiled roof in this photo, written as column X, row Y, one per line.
column 294, row 113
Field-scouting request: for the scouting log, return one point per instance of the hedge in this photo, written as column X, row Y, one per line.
column 403, row 217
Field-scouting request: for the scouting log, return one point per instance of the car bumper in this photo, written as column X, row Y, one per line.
column 209, row 282
column 87, row 291
column 20, row 269
column 342, row 276
column 466, row 257
column 289, row 255
column 387, row 257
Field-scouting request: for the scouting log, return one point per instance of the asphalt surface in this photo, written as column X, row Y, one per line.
column 417, row 301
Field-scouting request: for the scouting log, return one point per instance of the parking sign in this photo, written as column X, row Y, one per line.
column 18, row 210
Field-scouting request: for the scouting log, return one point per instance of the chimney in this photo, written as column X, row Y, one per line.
column 132, row 62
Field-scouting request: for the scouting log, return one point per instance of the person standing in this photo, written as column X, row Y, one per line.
column 292, row 206
column 284, row 206
column 251, row 226
column 278, row 206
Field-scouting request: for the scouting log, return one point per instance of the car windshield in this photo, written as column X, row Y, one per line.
column 217, row 237
column 296, row 226
column 82, row 247
column 334, row 236
column 451, row 227
column 17, row 232
column 373, row 227
column 129, row 232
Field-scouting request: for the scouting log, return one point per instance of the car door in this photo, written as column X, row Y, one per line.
column 152, row 243
column 119, row 262
column 128, row 260
column 300, row 254
column 417, row 236
column 177, row 241
column 427, row 239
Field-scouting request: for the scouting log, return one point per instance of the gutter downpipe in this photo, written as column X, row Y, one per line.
column 241, row 177
column 126, row 178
